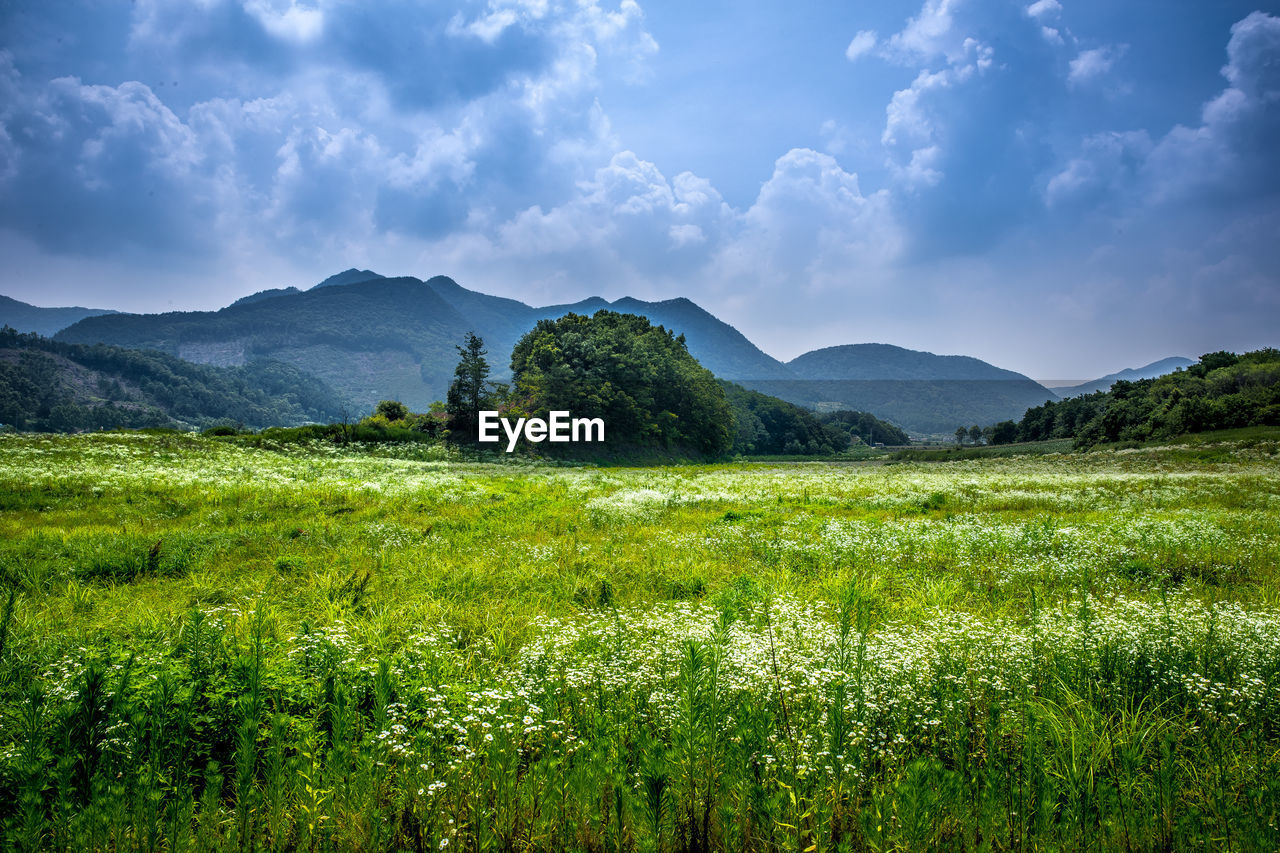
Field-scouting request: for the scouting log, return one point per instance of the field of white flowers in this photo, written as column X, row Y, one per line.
column 214, row 646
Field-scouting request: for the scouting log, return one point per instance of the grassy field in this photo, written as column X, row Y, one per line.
column 214, row 646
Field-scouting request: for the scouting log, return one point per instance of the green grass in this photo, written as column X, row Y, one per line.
column 213, row 645
column 997, row 451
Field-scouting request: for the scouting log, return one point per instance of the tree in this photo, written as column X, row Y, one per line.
column 975, row 434
column 470, row 392
column 961, row 435
column 639, row 378
column 392, row 410
column 1005, row 432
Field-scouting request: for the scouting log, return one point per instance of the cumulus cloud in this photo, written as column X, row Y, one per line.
column 92, row 167
column 627, row 224
column 864, row 42
column 926, row 35
column 917, row 117
column 1229, row 154
column 632, row 230
column 417, row 121
column 265, row 139
column 812, row 215
column 291, row 21
column 1092, row 65
column 1043, row 9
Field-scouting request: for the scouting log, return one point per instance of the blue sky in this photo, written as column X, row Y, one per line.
column 1061, row 187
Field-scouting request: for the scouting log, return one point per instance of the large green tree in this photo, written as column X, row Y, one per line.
column 639, row 378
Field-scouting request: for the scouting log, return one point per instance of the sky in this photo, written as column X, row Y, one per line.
column 1060, row 187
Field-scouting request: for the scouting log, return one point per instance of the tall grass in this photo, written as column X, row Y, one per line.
column 215, row 647
column 750, row 724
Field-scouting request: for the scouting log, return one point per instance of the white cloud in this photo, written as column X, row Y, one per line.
column 811, row 215
column 1044, row 9
column 934, row 34
column 1231, row 152
column 862, row 43
column 1051, row 35
column 926, row 35
column 687, row 234
column 1091, row 65
column 1101, row 171
column 1228, row 154
column 292, row 22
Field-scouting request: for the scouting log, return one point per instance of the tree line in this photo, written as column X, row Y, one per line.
column 1223, row 390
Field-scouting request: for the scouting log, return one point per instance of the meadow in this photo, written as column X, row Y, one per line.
column 212, row 644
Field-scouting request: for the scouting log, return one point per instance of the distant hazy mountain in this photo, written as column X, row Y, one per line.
column 920, row 391
column 42, row 321
column 1149, row 371
column 373, row 338
column 884, row 361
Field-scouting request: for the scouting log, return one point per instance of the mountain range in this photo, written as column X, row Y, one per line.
column 370, row 337
column 1130, row 374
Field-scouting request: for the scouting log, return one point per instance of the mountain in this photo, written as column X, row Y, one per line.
column 351, row 276
column 372, row 338
column 885, row 361
column 42, row 321
column 52, row 386
column 266, row 294
column 719, row 347
column 377, row 339
column 1149, row 371
column 920, row 391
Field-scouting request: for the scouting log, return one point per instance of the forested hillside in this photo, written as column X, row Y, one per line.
column 387, row 338
column 42, row 321
column 1221, row 391
column 57, row 387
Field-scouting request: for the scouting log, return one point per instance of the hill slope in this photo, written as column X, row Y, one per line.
column 42, row 321
column 1221, row 391
column 1131, row 374
column 373, row 340
column 52, row 386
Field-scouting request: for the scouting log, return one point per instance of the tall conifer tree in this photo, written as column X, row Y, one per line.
column 470, row 391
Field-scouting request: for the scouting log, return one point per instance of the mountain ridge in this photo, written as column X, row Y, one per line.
column 887, row 361
column 1129, row 374
column 371, row 337
column 25, row 317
